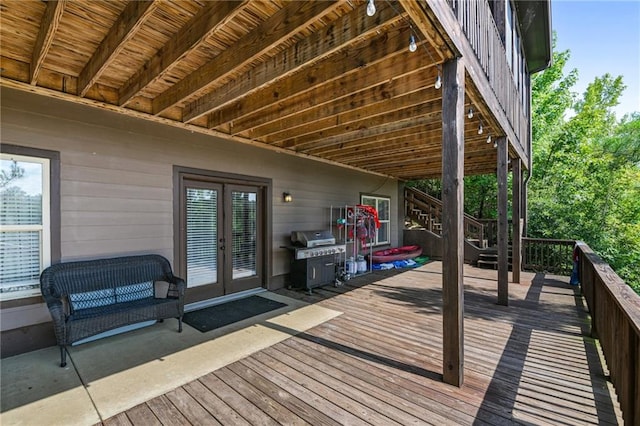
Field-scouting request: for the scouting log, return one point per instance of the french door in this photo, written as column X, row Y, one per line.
column 221, row 233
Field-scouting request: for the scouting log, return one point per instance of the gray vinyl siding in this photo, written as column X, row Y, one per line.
column 117, row 177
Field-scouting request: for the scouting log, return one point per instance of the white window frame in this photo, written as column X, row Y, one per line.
column 33, row 288
column 377, row 198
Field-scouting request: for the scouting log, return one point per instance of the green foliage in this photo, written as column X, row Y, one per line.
column 586, row 179
column 480, row 194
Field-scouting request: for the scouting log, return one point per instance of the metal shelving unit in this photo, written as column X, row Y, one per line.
column 353, row 226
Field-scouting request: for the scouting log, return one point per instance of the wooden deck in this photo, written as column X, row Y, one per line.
column 380, row 362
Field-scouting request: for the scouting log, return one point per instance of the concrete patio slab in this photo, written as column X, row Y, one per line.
column 36, row 391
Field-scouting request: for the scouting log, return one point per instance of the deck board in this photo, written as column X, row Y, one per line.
column 380, row 362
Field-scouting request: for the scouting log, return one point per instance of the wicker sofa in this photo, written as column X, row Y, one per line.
column 89, row 297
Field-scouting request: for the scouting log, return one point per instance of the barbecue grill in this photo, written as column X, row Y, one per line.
column 314, row 255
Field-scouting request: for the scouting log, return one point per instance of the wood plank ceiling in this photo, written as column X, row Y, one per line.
column 317, row 78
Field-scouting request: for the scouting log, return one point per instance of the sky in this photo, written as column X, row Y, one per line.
column 603, row 37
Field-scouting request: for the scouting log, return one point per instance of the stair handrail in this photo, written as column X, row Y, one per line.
column 413, row 196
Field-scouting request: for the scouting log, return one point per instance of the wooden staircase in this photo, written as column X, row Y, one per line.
column 488, row 258
column 426, row 211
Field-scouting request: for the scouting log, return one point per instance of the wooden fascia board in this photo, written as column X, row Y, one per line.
column 441, row 17
column 349, row 29
column 130, row 20
column 213, row 16
column 269, row 34
column 48, row 27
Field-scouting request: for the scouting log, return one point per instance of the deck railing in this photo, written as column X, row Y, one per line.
column 477, row 22
column 615, row 321
column 547, row 255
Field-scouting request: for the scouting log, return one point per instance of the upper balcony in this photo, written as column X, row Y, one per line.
column 316, row 79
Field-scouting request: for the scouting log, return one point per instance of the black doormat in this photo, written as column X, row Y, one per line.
column 217, row 316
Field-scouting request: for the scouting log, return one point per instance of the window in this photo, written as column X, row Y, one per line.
column 382, row 205
column 25, row 221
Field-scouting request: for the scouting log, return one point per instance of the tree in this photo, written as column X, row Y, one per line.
column 585, row 182
column 14, row 172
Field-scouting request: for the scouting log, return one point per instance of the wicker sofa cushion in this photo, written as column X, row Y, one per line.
column 110, row 296
column 131, row 292
column 92, row 299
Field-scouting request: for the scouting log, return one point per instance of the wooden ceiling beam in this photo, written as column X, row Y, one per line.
column 336, row 141
column 130, row 20
column 400, row 157
column 388, row 118
column 48, row 27
column 322, row 83
column 427, row 141
column 338, row 106
column 475, row 161
column 210, row 19
column 445, row 48
column 357, row 116
column 350, row 29
column 369, row 145
column 279, row 28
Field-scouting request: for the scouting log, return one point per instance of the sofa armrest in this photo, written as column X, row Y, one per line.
column 176, row 287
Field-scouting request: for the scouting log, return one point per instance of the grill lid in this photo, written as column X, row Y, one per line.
column 312, row 238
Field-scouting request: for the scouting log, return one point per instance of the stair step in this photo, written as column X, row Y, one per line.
column 487, row 264
column 489, row 257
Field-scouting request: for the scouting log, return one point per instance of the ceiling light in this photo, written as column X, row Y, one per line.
column 438, row 82
column 371, row 8
column 480, row 129
column 412, row 44
column 489, row 139
column 470, row 113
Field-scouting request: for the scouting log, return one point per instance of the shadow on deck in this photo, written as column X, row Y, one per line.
column 375, row 357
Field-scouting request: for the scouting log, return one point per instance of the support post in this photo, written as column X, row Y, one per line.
column 503, row 224
column 516, row 219
column 452, row 221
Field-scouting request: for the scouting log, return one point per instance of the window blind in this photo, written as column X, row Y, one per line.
column 202, row 236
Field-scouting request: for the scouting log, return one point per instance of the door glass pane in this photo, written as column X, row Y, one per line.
column 244, row 228
column 202, row 236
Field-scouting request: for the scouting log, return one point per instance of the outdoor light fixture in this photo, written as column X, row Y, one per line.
column 480, row 129
column 470, row 113
column 495, row 144
column 489, row 139
column 371, row 8
column 286, row 197
column 438, row 81
column 412, row 44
